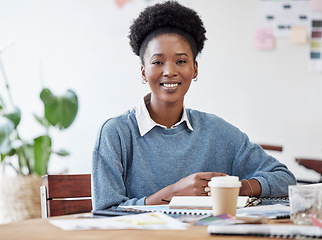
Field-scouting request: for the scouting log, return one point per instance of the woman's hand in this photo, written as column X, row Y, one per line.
column 193, row 185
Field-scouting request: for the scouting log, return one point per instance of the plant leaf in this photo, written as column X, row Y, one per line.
column 42, row 120
column 62, row 153
column 10, row 152
column 6, row 127
column 60, row 111
column 42, row 151
column 14, row 116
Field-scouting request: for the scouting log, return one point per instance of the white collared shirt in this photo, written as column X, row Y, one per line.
column 146, row 123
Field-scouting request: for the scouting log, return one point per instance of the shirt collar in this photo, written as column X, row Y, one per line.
column 146, row 123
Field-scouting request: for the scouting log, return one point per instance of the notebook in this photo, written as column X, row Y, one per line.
column 170, row 211
column 274, row 200
column 271, row 230
column 200, row 202
column 114, row 212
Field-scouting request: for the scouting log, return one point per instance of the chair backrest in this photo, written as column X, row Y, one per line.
column 313, row 164
column 272, row 147
column 65, row 194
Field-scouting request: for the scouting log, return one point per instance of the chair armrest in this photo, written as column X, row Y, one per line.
column 43, row 198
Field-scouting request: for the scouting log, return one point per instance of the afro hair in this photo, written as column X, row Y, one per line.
column 168, row 15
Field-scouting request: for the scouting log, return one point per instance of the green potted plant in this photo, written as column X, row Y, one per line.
column 33, row 156
column 29, row 158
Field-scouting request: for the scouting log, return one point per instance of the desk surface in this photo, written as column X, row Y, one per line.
column 41, row 229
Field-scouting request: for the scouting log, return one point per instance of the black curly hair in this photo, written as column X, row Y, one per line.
column 167, row 17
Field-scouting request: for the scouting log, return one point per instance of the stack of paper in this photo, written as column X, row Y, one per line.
column 152, row 221
column 267, row 211
column 200, row 202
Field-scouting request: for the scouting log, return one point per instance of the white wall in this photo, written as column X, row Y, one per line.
column 83, row 45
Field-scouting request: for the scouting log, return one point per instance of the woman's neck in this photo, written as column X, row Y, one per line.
column 165, row 114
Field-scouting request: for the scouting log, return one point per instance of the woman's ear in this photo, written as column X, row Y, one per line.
column 195, row 74
column 144, row 79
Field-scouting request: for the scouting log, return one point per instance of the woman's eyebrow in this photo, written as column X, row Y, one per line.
column 157, row 55
column 182, row 54
column 161, row 54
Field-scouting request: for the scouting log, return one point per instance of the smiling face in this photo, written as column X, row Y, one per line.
column 169, row 67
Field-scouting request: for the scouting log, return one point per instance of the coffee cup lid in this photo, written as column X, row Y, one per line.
column 225, row 181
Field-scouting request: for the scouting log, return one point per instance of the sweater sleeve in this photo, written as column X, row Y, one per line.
column 251, row 161
column 108, row 173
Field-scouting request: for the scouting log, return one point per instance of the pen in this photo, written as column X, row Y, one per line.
column 255, row 202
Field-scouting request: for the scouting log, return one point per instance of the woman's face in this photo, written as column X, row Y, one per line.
column 169, row 68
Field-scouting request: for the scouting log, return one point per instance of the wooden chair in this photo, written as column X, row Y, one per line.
column 313, row 164
column 65, row 194
column 272, row 147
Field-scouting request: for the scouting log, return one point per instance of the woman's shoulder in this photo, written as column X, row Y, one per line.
column 197, row 115
column 116, row 129
column 209, row 121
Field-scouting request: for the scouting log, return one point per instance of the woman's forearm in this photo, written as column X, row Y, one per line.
column 250, row 187
column 161, row 197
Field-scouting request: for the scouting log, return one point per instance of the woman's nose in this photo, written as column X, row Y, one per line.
column 170, row 70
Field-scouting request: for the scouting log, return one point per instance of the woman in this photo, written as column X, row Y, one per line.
column 160, row 149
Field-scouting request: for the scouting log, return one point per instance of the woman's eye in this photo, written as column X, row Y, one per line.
column 156, row 63
column 181, row 61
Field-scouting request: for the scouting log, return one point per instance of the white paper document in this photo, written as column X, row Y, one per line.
column 148, row 221
column 267, row 211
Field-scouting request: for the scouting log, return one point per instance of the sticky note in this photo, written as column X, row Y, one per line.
column 315, row 55
column 316, row 34
column 316, row 5
column 298, row 34
column 315, row 66
column 317, row 23
column 316, row 44
column 264, row 38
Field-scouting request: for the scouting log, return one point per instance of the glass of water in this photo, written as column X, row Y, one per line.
column 305, row 202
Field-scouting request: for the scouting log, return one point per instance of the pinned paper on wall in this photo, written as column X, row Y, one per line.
column 315, row 58
column 121, row 3
column 298, row 35
column 282, row 15
column 264, row 38
column 316, row 5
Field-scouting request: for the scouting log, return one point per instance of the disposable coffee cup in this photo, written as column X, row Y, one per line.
column 224, row 194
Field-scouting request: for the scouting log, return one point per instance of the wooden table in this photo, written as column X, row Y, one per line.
column 41, row 229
